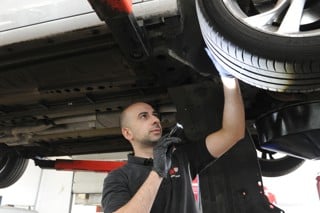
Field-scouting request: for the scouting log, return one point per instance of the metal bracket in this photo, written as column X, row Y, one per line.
column 119, row 18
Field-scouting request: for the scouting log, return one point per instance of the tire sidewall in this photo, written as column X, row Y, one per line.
column 255, row 41
column 13, row 167
column 279, row 167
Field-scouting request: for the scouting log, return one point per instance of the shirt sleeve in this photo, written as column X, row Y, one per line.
column 115, row 192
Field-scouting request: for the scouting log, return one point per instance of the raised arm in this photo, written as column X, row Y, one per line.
column 233, row 121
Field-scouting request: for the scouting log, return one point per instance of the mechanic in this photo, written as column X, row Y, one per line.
column 158, row 175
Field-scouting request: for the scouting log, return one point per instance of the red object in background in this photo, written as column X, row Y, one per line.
column 318, row 184
column 271, row 197
column 99, row 209
column 97, row 166
column 124, row 6
column 195, row 188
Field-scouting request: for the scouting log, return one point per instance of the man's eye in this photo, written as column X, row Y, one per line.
column 143, row 116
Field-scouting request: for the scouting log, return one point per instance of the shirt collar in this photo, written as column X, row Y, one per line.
column 140, row 160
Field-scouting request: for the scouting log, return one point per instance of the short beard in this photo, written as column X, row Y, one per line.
column 148, row 142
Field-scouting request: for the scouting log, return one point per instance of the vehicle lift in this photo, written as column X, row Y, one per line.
column 79, row 165
column 233, row 183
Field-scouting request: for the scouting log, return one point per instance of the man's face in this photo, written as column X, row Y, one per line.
column 143, row 123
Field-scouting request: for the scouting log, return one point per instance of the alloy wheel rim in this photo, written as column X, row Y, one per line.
column 288, row 18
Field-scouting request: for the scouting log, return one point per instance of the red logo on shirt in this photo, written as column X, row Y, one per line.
column 173, row 172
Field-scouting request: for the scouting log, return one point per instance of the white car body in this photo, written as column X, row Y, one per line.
column 38, row 19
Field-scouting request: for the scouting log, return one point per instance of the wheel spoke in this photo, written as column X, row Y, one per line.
column 266, row 18
column 271, row 156
column 264, row 155
column 288, row 18
column 267, row 155
column 292, row 19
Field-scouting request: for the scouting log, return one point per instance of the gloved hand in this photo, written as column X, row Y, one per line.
column 162, row 153
column 219, row 68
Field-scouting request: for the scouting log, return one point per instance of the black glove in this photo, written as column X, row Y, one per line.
column 219, row 68
column 162, row 153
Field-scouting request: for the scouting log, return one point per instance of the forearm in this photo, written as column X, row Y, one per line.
column 143, row 200
column 233, row 121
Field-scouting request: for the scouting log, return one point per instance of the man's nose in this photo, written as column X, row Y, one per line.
column 155, row 119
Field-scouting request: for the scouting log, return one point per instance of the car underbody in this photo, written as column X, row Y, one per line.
column 61, row 94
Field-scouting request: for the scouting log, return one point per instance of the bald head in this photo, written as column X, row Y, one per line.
column 141, row 126
column 130, row 111
column 123, row 118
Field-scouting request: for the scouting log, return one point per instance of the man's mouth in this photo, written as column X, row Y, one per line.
column 157, row 130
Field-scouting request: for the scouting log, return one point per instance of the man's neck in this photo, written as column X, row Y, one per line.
column 144, row 153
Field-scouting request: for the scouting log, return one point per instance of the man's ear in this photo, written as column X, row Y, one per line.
column 127, row 134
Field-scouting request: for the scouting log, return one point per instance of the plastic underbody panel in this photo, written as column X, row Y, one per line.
column 233, row 183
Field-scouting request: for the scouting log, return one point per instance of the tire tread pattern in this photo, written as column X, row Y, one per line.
column 266, row 73
column 13, row 168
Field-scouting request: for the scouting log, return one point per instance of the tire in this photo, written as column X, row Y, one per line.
column 275, row 167
column 281, row 62
column 273, row 164
column 12, row 167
